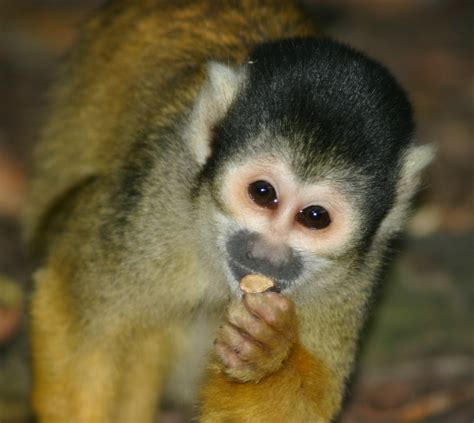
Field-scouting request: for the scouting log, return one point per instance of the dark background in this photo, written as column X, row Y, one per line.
column 417, row 363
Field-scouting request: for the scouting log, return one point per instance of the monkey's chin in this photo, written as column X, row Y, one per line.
column 238, row 271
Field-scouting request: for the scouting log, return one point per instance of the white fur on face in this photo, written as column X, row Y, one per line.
column 279, row 227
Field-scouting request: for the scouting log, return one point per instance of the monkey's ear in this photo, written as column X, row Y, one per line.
column 219, row 91
column 414, row 161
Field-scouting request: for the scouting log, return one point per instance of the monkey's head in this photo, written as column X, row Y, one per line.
column 307, row 162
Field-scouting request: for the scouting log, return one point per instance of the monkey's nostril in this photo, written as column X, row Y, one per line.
column 249, row 250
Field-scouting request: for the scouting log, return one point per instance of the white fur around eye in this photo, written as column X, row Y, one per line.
column 280, row 225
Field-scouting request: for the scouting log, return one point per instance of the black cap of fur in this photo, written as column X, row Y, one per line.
column 332, row 105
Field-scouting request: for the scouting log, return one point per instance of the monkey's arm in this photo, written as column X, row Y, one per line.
column 259, row 375
column 297, row 392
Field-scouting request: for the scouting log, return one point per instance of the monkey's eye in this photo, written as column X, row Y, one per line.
column 263, row 194
column 314, row 217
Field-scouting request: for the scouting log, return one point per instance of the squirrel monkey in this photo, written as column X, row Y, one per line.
column 192, row 143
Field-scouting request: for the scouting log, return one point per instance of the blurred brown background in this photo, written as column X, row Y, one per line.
column 418, row 361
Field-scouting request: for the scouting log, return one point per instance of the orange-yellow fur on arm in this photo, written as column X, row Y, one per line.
column 299, row 392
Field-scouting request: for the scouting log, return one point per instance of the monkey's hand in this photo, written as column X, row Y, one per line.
column 257, row 337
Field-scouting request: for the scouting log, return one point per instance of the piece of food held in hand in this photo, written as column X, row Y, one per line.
column 255, row 284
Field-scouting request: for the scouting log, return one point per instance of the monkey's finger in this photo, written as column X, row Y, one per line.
column 227, row 356
column 236, row 368
column 239, row 316
column 246, row 347
column 275, row 309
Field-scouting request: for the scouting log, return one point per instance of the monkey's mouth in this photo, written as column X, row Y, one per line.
column 239, row 270
column 242, row 261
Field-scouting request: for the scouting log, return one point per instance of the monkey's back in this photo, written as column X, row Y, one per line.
column 138, row 65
